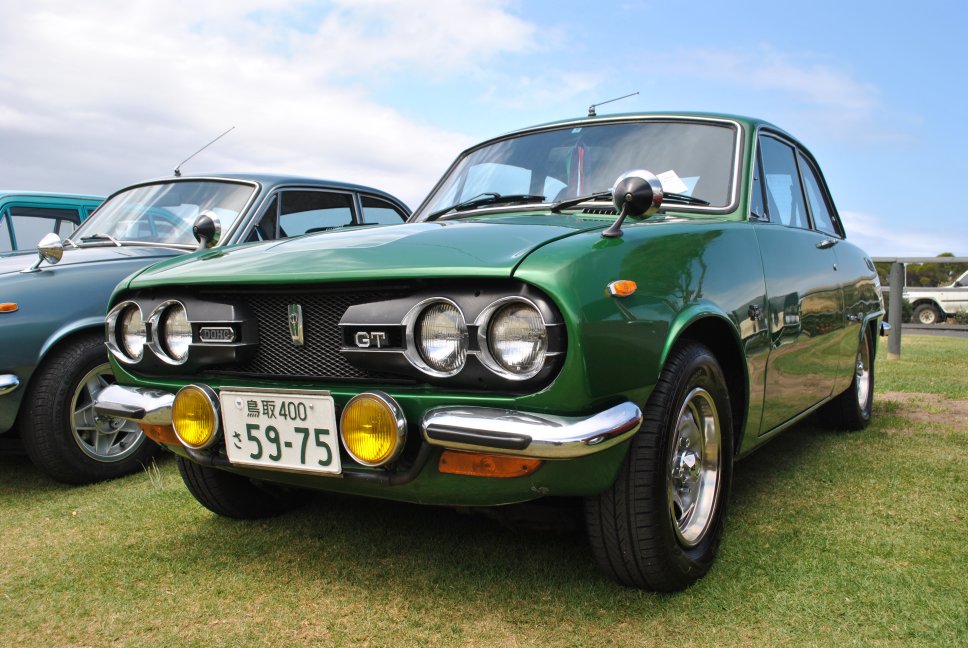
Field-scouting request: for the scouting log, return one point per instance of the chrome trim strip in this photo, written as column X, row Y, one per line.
column 151, row 406
column 8, row 383
column 540, row 436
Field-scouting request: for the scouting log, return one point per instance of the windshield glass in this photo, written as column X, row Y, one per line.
column 163, row 212
column 691, row 158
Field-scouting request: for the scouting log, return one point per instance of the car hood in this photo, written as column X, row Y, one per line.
column 89, row 255
column 480, row 248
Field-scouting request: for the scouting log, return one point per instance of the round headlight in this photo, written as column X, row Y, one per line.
column 373, row 428
column 194, row 415
column 176, row 331
column 517, row 339
column 133, row 334
column 441, row 337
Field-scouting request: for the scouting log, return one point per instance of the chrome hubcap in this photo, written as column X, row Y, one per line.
column 693, row 483
column 863, row 375
column 101, row 438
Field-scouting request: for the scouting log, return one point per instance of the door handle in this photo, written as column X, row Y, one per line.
column 826, row 243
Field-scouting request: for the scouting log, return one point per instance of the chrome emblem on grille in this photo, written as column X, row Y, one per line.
column 217, row 334
column 296, row 324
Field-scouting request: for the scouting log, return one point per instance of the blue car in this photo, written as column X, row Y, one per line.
column 26, row 217
column 53, row 362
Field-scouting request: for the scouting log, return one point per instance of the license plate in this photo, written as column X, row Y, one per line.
column 281, row 430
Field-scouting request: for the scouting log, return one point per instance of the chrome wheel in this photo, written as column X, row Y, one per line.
column 101, row 438
column 694, row 468
column 862, row 376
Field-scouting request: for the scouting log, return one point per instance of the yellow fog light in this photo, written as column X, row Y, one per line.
column 194, row 415
column 373, row 428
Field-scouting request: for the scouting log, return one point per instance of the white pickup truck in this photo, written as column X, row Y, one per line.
column 933, row 305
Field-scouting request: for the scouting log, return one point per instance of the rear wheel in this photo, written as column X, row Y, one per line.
column 235, row 496
column 927, row 314
column 659, row 525
column 62, row 433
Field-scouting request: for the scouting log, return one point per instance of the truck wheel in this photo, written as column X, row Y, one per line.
column 851, row 410
column 927, row 314
column 658, row 527
column 62, row 434
column 235, row 496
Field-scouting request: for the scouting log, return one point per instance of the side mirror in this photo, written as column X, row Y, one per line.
column 50, row 248
column 637, row 194
column 207, row 229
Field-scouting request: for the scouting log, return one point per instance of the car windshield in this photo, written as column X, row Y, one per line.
column 690, row 157
column 163, row 212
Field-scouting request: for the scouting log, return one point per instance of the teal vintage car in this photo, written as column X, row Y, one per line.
column 612, row 309
column 52, row 356
column 28, row 216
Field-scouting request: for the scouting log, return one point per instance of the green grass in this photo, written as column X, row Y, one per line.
column 833, row 539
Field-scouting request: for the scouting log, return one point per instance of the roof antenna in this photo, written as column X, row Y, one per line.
column 178, row 168
column 591, row 108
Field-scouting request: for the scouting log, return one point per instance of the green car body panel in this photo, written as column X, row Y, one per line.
column 720, row 278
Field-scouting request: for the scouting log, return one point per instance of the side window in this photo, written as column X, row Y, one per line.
column 30, row 224
column 817, row 198
column 381, row 212
column 784, row 194
column 265, row 229
column 757, row 209
column 303, row 212
column 6, row 245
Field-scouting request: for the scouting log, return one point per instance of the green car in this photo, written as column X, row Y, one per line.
column 609, row 310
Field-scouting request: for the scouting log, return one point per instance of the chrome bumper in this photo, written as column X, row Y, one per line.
column 8, row 383
column 477, row 429
column 151, row 406
column 540, row 436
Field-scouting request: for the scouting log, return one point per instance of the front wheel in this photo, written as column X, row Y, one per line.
column 235, row 496
column 62, row 433
column 658, row 527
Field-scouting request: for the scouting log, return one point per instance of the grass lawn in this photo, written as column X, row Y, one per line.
column 833, row 539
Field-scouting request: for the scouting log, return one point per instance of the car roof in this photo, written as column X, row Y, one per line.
column 11, row 193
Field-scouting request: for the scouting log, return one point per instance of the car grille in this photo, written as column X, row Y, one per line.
column 319, row 357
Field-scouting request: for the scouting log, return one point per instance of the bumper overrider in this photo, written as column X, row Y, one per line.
column 469, row 429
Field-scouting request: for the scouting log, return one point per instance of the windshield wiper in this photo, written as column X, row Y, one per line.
column 676, row 198
column 101, row 237
column 487, row 198
column 70, row 242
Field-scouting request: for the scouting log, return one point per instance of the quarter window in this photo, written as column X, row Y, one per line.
column 817, row 197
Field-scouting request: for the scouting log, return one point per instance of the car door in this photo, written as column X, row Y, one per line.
column 804, row 295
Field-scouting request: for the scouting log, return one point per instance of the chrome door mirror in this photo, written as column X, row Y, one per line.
column 50, row 248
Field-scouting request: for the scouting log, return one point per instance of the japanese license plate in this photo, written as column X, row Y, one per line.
column 281, row 430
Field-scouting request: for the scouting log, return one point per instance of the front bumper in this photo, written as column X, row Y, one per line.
column 475, row 429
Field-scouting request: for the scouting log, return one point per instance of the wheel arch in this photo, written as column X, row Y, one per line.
column 68, row 332
column 717, row 332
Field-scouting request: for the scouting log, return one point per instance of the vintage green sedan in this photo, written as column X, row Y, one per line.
column 612, row 309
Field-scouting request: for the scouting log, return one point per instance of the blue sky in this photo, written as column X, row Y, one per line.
column 99, row 95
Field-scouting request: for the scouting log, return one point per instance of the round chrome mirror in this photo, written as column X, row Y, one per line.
column 50, row 248
column 638, row 192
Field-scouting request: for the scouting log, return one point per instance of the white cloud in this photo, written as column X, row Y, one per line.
column 880, row 239
column 97, row 95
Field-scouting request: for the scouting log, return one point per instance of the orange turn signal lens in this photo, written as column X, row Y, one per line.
column 622, row 288
column 473, row 464
column 8, row 307
column 160, row 433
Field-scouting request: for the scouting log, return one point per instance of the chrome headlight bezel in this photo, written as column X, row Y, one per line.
column 414, row 341
column 114, row 323
column 160, row 342
column 489, row 358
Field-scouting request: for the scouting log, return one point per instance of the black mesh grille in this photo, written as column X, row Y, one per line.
column 319, row 357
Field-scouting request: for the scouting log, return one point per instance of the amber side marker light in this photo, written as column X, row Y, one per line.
column 453, row 462
column 8, row 307
column 160, row 433
column 622, row 288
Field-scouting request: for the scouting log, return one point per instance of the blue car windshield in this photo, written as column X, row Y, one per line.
column 164, row 212
column 694, row 158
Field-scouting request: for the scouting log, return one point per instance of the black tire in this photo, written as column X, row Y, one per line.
column 851, row 410
column 638, row 533
column 927, row 314
column 235, row 496
column 60, row 432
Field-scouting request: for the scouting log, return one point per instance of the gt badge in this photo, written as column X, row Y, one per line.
column 296, row 324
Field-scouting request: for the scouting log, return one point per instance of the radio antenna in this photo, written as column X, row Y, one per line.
column 178, row 168
column 591, row 108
